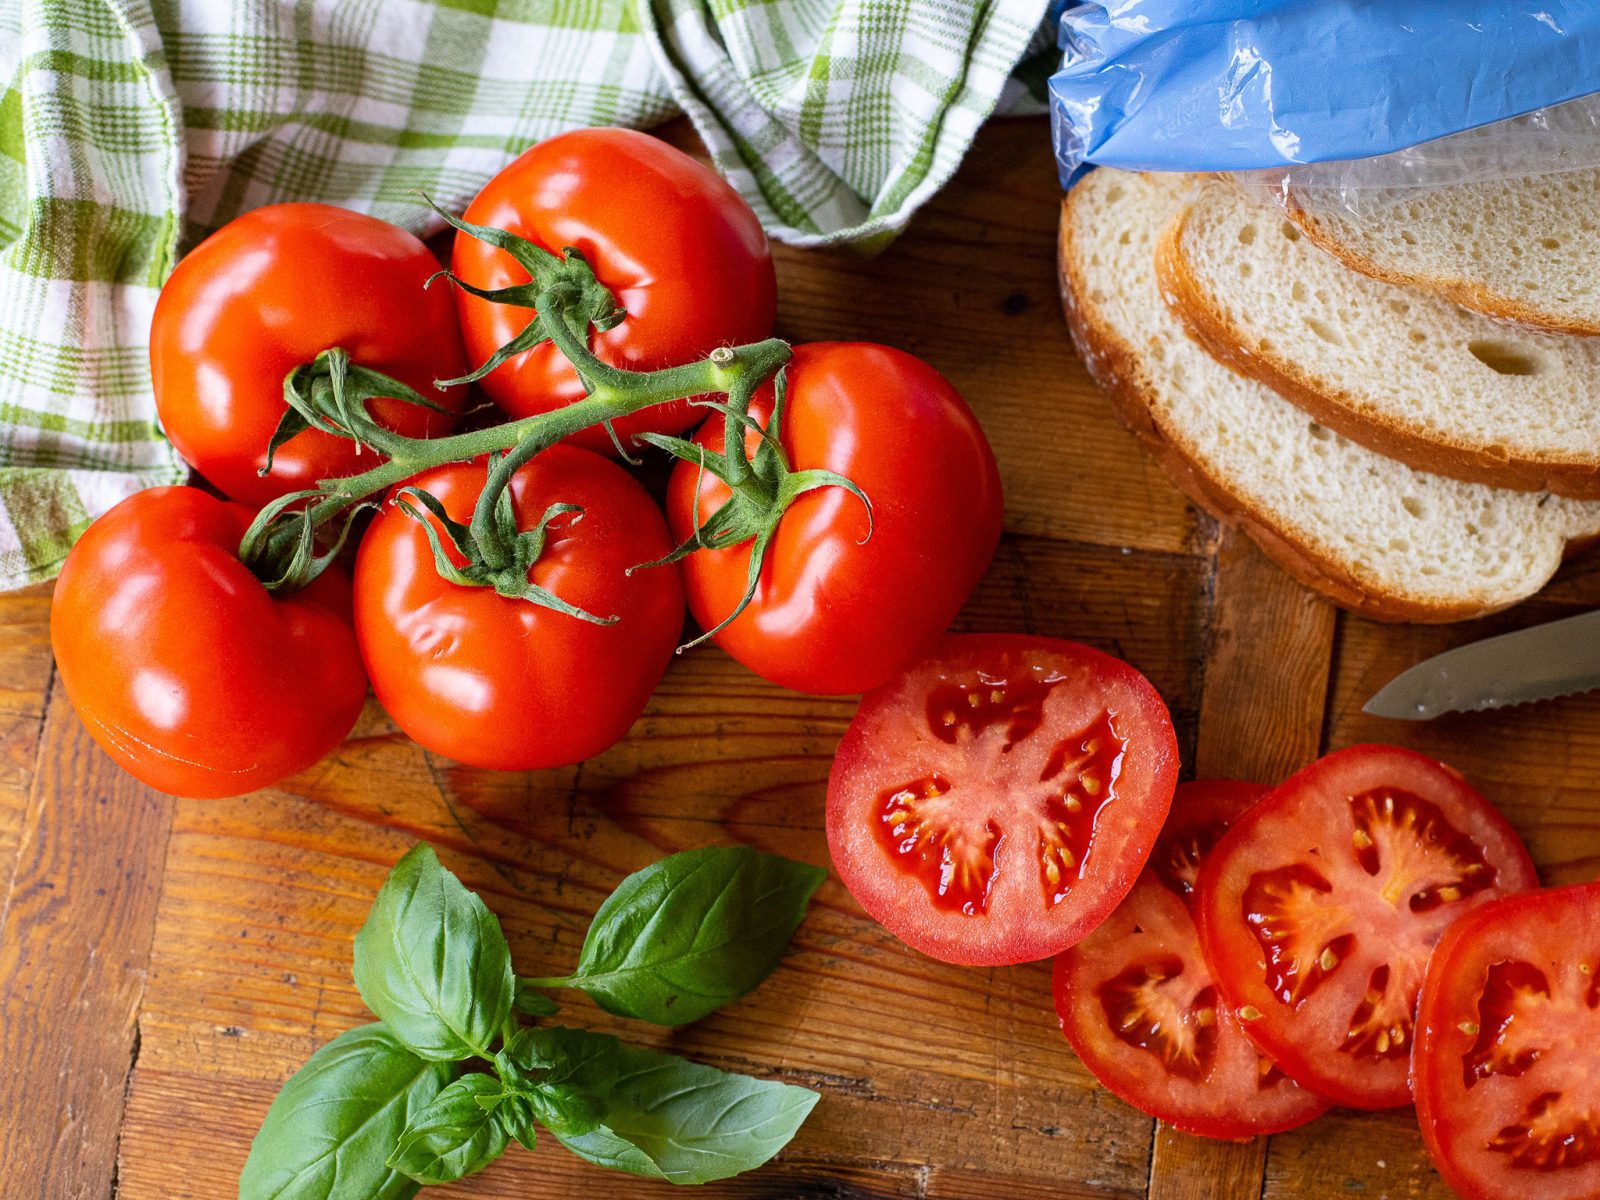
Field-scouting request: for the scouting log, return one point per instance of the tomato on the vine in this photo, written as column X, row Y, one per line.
column 676, row 245
column 848, row 596
column 267, row 293
column 185, row 669
column 1319, row 908
column 502, row 682
column 1142, row 1011
column 996, row 801
column 1507, row 1062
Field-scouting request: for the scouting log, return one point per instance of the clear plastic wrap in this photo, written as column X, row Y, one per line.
column 1564, row 137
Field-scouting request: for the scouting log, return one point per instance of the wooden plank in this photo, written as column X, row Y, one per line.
column 1261, row 711
column 74, row 944
column 25, row 667
column 933, row 1077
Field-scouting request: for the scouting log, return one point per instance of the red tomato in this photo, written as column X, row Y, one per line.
column 1140, row 1008
column 679, row 249
column 270, row 291
column 1318, row 910
column 994, row 803
column 505, row 683
column 837, row 612
column 185, row 669
column 1507, row 1061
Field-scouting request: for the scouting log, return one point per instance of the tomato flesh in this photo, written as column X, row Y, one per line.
column 1319, row 909
column 1141, row 1010
column 993, row 803
column 1507, row 1071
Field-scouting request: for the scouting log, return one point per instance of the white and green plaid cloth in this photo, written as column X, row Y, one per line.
column 130, row 128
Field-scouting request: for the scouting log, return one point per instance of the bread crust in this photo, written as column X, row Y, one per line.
column 1115, row 367
column 1339, row 409
column 1468, row 293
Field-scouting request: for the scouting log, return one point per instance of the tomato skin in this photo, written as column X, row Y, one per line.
column 185, row 669
column 836, row 612
column 506, row 684
column 1205, row 1078
column 268, row 292
column 980, row 752
column 1323, row 867
column 678, row 247
column 1554, row 933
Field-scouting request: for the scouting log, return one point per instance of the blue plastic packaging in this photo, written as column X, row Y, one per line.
column 1231, row 85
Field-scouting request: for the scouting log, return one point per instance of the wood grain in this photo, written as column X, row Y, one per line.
column 74, row 943
column 25, row 669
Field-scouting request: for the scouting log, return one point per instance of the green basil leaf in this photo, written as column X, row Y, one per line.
column 564, row 1075
column 692, row 932
column 432, row 961
column 531, row 1002
column 332, row 1126
column 454, row 1136
column 667, row 1118
column 515, row 1115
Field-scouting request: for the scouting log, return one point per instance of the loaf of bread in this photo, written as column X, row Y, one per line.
column 1518, row 249
column 1400, row 370
column 1371, row 533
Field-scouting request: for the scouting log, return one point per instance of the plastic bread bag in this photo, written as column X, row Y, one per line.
column 1363, row 103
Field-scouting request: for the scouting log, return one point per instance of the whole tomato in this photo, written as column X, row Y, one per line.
column 678, row 247
column 186, row 670
column 503, row 682
column 268, row 292
column 836, row 611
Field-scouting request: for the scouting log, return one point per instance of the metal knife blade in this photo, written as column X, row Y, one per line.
column 1557, row 658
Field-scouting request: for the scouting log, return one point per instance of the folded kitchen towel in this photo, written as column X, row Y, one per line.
column 131, row 128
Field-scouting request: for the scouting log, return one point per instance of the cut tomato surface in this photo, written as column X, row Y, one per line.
column 1508, row 1049
column 997, row 800
column 1139, row 1006
column 1319, row 908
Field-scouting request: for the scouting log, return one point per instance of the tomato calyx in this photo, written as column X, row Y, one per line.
column 566, row 278
column 503, row 559
column 330, row 393
column 763, row 486
column 280, row 547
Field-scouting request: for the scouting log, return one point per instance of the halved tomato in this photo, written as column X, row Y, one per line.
column 1507, row 1061
column 994, row 802
column 1319, row 908
column 1139, row 1006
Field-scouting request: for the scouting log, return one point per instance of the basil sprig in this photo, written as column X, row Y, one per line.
column 449, row 1076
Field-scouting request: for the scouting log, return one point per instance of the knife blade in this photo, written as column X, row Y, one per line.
column 1542, row 662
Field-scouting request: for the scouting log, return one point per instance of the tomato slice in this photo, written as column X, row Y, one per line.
column 993, row 803
column 1508, row 1049
column 1139, row 1006
column 1318, row 910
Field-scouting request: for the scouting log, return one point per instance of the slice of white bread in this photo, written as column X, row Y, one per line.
column 1399, row 370
column 1525, row 250
column 1374, row 535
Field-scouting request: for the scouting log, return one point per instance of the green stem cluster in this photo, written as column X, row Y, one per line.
column 565, row 302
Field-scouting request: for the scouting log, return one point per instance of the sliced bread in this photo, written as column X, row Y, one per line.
column 1400, row 370
column 1525, row 250
column 1377, row 536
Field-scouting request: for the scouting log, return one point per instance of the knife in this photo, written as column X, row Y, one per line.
column 1539, row 663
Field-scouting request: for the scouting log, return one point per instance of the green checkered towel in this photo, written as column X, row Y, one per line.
column 131, row 128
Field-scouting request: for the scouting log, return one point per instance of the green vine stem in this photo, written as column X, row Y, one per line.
column 614, row 393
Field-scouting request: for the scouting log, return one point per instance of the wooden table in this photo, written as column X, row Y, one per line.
column 165, row 965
